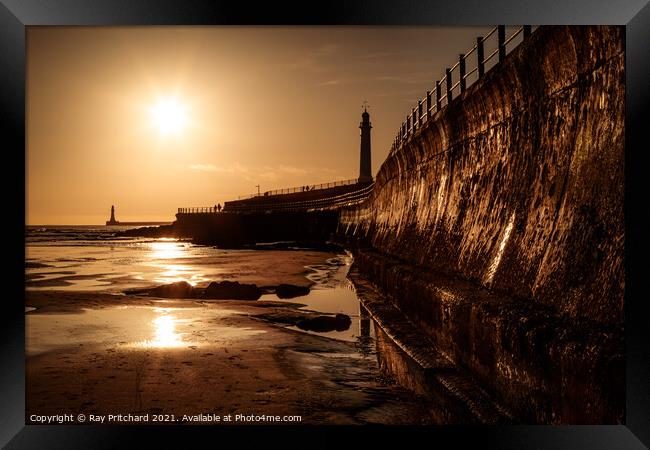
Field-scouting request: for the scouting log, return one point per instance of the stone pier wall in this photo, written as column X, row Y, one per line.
column 515, row 190
column 518, row 184
column 235, row 229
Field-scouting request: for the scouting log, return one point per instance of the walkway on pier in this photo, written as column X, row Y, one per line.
column 306, row 201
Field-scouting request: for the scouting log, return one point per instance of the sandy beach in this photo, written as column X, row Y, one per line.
column 140, row 264
column 102, row 352
column 229, row 361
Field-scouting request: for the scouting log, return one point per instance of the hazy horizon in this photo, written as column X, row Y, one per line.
column 270, row 106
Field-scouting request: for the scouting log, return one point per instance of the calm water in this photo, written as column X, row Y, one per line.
column 91, row 258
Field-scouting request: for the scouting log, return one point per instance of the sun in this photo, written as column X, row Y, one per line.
column 169, row 116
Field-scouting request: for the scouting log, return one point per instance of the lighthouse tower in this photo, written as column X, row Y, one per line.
column 112, row 221
column 365, row 170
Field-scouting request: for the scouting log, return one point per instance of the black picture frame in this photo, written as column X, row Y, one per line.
column 16, row 15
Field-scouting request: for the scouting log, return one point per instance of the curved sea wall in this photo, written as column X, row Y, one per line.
column 518, row 183
column 513, row 194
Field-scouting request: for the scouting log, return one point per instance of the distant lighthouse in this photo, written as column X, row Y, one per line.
column 112, row 221
column 365, row 170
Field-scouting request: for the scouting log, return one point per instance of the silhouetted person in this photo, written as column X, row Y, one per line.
column 215, row 208
column 219, row 207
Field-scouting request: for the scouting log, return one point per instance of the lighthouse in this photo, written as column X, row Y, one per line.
column 365, row 170
column 112, row 221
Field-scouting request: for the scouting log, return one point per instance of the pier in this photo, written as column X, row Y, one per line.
column 113, row 222
column 490, row 243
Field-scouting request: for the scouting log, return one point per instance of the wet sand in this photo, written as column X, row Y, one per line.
column 117, row 266
column 97, row 353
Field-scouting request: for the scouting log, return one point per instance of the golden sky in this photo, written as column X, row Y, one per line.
column 274, row 106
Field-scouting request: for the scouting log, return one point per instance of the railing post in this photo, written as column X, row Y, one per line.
column 408, row 125
column 428, row 104
column 438, row 95
column 448, row 76
column 461, row 68
column 480, row 56
column 419, row 113
column 527, row 30
column 413, row 119
column 501, row 36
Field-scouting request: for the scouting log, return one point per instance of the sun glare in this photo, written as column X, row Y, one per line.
column 169, row 116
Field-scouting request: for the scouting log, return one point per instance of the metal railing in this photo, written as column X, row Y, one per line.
column 305, row 188
column 346, row 199
column 435, row 99
column 337, row 201
column 197, row 210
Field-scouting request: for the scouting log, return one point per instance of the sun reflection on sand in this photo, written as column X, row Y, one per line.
column 165, row 334
column 174, row 272
column 171, row 273
column 166, row 250
column 164, row 328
